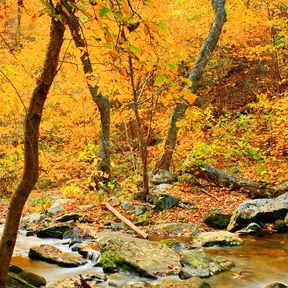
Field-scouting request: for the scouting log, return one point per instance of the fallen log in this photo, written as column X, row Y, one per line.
column 255, row 189
column 126, row 221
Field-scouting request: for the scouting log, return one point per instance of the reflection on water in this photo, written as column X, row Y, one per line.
column 260, row 261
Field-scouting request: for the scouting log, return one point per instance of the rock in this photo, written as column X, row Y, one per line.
column 51, row 254
column 193, row 282
column 173, row 229
column 79, row 235
column 57, row 207
column 149, row 259
column 93, row 279
column 19, row 278
column 165, row 202
column 259, row 211
column 276, row 285
column 86, row 207
column 30, row 222
column 217, row 220
column 163, row 177
column 68, row 217
column 200, row 264
column 218, row 238
column 252, row 228
column 126, row 205
column 139, row 210
column 280, row 226
column 163, row 187
column 56, row 231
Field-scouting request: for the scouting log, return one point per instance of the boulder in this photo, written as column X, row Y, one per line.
column 200, row 264
column 165, row 202
column 56, row 231
column 217, row 220
column 193, row 282
column 31, row 221
column 68, row 217
column 218, row 238
column 163, row 177
column 259, row 211
column 57, row 207
column 19, row 278
column 173, row 229
column 51, row 254
column 149, row 259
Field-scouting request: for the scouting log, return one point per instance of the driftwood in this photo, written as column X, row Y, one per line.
column 83, row 282
column 126, row 221
column 255, row 189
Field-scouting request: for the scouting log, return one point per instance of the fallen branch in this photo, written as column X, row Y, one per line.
column 255, row 189
column 126, row 221
column 84, row 283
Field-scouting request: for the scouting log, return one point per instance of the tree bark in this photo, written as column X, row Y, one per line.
column 19, row 16
column 31, row 159
column 223, row 179
column 101, row 101
column 195, row 75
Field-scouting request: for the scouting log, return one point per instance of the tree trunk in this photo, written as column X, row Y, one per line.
column 223, row 179
column 31, row 160
column 195, row 75
column 142, row 144
column 101, row 101
column 19, row 15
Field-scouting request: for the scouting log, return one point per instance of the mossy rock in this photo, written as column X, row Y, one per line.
column 111, row 262
column 19, row 278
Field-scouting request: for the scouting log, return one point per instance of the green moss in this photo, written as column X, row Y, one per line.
column 171, row 242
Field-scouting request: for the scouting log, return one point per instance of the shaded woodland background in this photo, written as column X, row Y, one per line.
column 241, row 128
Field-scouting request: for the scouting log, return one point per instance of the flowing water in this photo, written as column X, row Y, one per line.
column 260, row 261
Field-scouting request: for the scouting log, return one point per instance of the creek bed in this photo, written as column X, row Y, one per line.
column 260, row 261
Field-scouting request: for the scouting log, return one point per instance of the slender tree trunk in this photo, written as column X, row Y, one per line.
column 101, row 101
column 142, row 144
column 31, row 159
column 195, row 75
column 19, row 15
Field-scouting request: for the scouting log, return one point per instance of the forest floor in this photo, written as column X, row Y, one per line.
column 198, row 202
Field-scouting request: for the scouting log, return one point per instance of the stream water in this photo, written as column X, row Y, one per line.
column 260, row 261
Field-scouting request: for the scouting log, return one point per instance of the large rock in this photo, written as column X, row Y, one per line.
column 19, row 278
column 217, row 220
column 31, row 221
column 150, row 259
column 163, row 177
column 56, row 231
column 218, row 238
column 193, row 282
column 200, row 264
column 68, row 217
column 165, row 202
column 259, row 211
column 51, row 254
column 174, row 229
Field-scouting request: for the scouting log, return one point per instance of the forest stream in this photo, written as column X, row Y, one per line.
column 260, row 261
